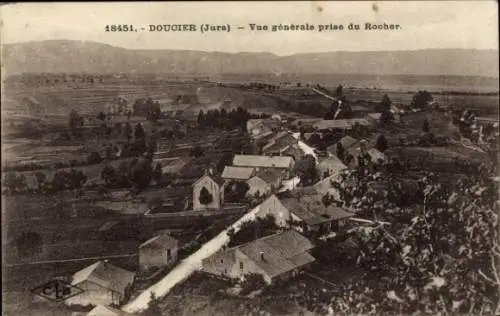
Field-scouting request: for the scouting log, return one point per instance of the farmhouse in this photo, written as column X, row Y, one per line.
column 314, row 216
column 237, row 173
column 256, row 127
column 346, row 142
column 208, row 192
column 276, row 257
column 279, row 143
column 283, row 163
column 158, row 251
column 307, row 123
column 264, row 182
column 330, row 166
column 308, row 211
column 325, row 186
column 102, row 283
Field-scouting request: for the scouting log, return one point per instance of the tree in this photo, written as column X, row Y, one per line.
column 381, row 143
column 197, row 151
column 101, row 116
column 236, row 191
column 77, row 178
column 141, row 174
column 138, row 147
column 306, row 169
column 201, row 119
column 154, row 111
column 205, row 196
column 384, row 105
column 315, row 139
column 253, row 229
column 152, row 146
column 226, row 160
column 94, row 158
column 157, row 173
column 139, row 132
column 421, row 99
column 127, row 131
column 386, row 117
column 339, row 91
column 108, row 174
column 40, row 179
column 75, row 120
column 252, row 282
column 340, row 151
column 425, row 126
column 422, row 259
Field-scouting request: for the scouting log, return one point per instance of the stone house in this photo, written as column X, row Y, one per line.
column 330, row 166
column 307, row 212
column 259, row 162
column 158, row 251
column 276, row 257
column 265, row 182
column 102, row 284
column 347, row 143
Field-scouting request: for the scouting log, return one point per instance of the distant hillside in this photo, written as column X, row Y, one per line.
column 59, row 56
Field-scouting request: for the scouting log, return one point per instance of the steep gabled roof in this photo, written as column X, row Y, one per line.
column 239, row 173
column 269, row 175
column 348, row 141
column 332, row 163
column 279, row 253
column 220, row 181
column 106, row 275
column 162, row 241
column 312, row 211
column 262, row 161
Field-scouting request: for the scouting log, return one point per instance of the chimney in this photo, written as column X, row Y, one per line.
column 262, row 255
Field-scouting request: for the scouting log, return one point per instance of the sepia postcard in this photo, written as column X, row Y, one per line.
column 250, row 158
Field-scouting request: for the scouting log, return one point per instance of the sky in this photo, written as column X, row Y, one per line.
column 423, row 24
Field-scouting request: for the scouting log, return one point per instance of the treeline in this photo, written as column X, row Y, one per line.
column 236, row 118
column 62, row 180
column 470, row 93
column 37, row 79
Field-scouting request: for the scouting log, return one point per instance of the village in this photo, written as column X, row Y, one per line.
column 323, row 190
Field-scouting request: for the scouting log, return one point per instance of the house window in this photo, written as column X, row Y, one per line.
column 241, row 265
column 221, row 260
column 169, row 254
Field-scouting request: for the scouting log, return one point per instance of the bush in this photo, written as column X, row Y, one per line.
column 252, row 282
column 94, row 158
